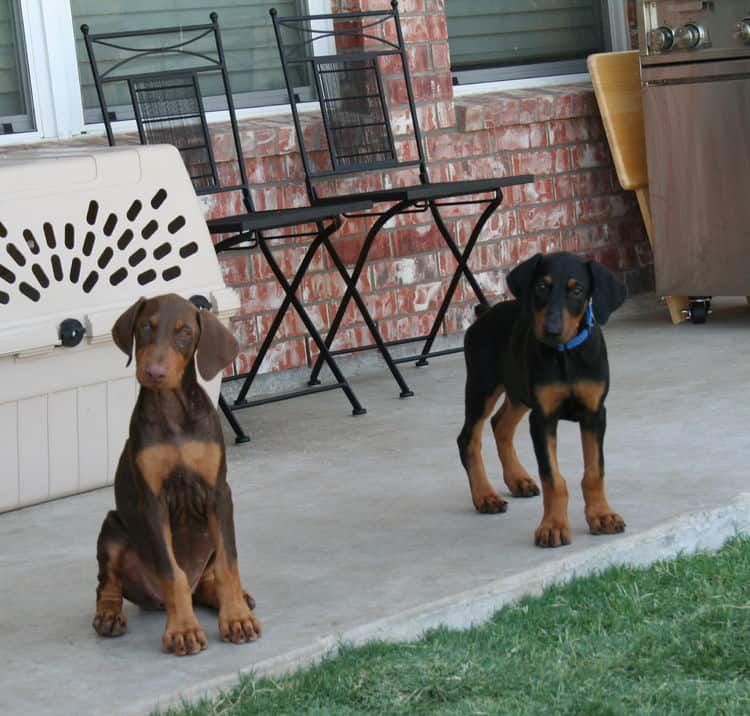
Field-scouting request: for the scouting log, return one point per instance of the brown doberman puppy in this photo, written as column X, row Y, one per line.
column 546, row 352
column 170, row 541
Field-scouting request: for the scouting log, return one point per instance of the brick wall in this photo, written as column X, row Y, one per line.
column 575, row 204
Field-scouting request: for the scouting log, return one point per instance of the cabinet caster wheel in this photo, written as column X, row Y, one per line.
column 699, row 309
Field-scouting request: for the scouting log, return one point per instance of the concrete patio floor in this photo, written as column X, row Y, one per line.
column 344, row 521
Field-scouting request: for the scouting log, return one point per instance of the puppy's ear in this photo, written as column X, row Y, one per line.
column 217, row 347
column 519, row 279
column 124, row 329
column 608, row 293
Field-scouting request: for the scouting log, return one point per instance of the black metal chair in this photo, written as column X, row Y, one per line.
column 168, row 105
column 344, row 56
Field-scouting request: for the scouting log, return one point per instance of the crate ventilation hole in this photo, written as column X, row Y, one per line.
column 111, row 248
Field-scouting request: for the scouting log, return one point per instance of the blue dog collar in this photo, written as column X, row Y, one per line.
column 583, row 335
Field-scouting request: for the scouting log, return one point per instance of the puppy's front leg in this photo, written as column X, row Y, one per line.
column 601, row 517
column 479, row 407
column 554, row 529
column 237, row 623
column 183, row 633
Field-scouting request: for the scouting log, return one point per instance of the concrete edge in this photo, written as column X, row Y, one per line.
column 703, row 530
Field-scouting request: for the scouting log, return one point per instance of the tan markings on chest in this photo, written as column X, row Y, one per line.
column 587, row 393
column 551, row 395
column 157, row 462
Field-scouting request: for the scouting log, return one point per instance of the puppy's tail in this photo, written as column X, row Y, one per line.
column 480, row 309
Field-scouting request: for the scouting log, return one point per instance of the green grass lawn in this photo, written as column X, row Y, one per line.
column 671, row 639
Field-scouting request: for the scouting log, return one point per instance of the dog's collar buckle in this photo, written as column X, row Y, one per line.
column 582, row 337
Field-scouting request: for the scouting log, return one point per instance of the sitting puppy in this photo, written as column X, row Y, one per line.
column 170, row 542
column 546, row 352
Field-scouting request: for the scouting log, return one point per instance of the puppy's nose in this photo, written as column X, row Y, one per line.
column 553, row 328
column 156, row 372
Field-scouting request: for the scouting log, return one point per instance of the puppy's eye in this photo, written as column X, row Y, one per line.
column 146, row 325
column 186, row 331
column 577, row 290
column 541, row 286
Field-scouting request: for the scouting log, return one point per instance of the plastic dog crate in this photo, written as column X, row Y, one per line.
column 83, row 234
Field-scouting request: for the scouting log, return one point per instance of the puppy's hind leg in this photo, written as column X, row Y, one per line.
column 110, row 552
column 479, row 406
column 504, row 424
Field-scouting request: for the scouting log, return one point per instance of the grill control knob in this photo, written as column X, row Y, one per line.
column 743, row 30
column 689, row 36
column 661, row 39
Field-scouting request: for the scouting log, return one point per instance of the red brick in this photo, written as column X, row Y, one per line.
column 548, row 216
column 292, row 325
column 418, row 57
column 449, row 145
column 593, row 182
column 543, row 162
column 235, row 269
column 415, row 29
column 565, row 186
column 288, row 258
column 422, row 297
column 259, row 297
column 540, row 191
column 511, row 138
column 418, row 324
column 404, row 271
column 245, row 331
column 602, row 208
column 349, row 248
column 594, row 154
column 441, row 56
column 281, row 356
column 416, row 239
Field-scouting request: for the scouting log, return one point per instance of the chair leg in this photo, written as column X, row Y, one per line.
column 406, row 392
column 352, row 286
column 456, row 251
column 462, row 268
column 290, row 298
column 240, row 435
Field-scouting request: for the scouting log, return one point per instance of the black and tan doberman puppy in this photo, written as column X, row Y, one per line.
column 170, row 542
column 546, row 352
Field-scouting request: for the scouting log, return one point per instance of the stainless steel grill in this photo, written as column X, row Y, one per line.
column 695, row 72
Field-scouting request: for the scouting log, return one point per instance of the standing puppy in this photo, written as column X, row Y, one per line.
column 170, row 542
column 546, row 352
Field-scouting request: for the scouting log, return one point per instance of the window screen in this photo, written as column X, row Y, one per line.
column 246, row 30
column 502, row 33
column 15, row 104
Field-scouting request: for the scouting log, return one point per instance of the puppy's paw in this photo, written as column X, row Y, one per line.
column 604, row 521
column 489, row 503
column 110, row 622
column 552, row 533
column 522, row 485
column 183, row 638
column 238, row 624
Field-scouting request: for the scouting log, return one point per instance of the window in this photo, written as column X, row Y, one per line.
column 246, row 32
column 512, row 39
column 46, row 88
column 16, row 113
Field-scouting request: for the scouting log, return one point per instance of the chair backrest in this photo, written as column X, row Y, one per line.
column 169, row 103
column 616, row 77
column 355, row 62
